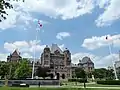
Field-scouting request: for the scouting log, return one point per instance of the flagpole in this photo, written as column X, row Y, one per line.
column 33, row 69
column 110, row 51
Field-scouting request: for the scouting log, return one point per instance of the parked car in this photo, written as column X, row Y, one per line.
column 19, row 84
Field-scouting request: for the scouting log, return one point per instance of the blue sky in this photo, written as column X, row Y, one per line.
column 82, row 30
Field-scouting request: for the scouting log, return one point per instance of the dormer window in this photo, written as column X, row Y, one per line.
column 57, row 52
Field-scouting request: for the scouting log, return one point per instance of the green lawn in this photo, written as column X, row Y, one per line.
column 44, row 88
column 98, row 85
column 90, row 85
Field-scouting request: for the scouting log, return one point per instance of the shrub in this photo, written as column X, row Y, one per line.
column 109, row 82
column 77, row 80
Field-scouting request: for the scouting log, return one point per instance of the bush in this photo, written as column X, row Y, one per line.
column 109, row 82
column 77, row 80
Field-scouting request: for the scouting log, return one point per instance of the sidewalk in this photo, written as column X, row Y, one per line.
column 36, row 86
column 50, row 86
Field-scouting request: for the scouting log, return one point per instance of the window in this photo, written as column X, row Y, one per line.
column 46, row 55
column 56, row 67
column 46, row 62
column 63, row 76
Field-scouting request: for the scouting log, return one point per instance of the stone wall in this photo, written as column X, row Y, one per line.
column 31, row 82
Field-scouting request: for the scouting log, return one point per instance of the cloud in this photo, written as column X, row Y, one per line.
column 64, row 9
column 102, row 3
column 98, row 42
column 15, row 18
column 26, row 55
column 69, row 9
column 110, row 14
column 24, row 46
column 10, row 21
column 3, row 56
column 18, row 17
column 62, row 35
column 107, row 60
column 99, row 61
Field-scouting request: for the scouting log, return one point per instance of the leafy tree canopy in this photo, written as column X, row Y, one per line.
column 24, row 70
column 80, row 73
column 103, row 73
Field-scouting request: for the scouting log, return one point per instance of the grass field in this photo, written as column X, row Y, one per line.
column 98, row 85
column 90, row 85
column 45, row 88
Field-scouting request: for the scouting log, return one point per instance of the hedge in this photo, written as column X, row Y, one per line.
column 109, row 82
column 77, row 80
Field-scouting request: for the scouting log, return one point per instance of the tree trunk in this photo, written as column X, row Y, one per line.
column 84, row 83
column 6, row 81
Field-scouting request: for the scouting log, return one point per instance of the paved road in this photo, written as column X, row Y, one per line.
column 73, row 87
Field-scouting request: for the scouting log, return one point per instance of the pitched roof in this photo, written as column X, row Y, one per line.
column 16, row 52
column 86, row 60
column 55, row 47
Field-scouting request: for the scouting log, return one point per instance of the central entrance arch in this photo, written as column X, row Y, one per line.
column 51, row 76
column 58, row 76
column 63, row 76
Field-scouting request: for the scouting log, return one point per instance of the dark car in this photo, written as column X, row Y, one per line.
column 19, row 84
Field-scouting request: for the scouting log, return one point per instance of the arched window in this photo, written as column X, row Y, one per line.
column 63, row 76
column 51, row 76
column 58, row 76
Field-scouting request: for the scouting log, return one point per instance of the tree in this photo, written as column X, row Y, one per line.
column 12, row 69
column 110, row 74
column 80, row 73
column 4, row 69
column 24, row 70
column 42, row 72
column 103, row 73
column 4, row 4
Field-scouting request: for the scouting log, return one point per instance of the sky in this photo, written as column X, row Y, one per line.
column 79, row 25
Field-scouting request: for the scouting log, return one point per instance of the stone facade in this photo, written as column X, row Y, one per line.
column 58, row 61
column 86, row 64
column 14, row 57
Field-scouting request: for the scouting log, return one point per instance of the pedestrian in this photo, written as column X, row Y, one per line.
column 39, row 84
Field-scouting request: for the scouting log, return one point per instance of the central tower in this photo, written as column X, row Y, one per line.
column 57, row 60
